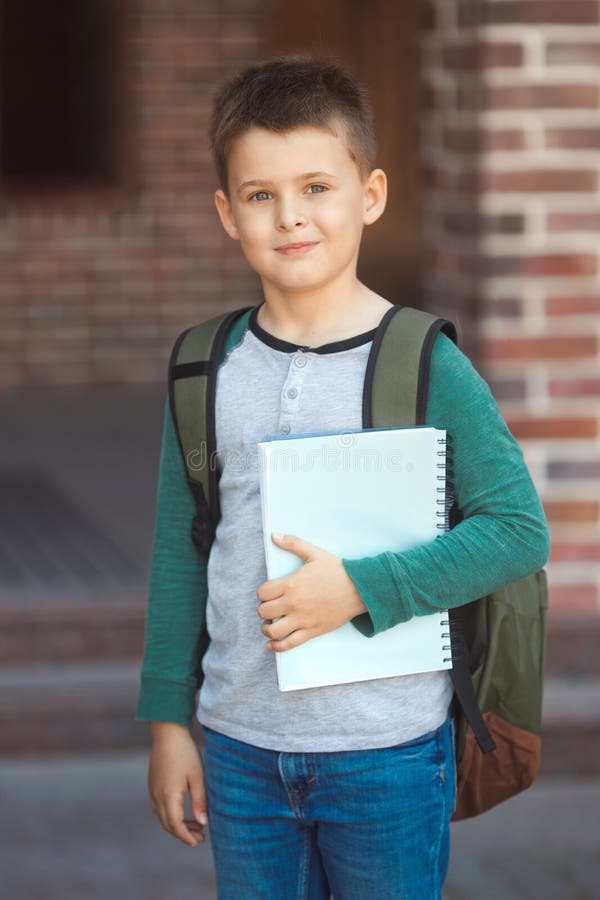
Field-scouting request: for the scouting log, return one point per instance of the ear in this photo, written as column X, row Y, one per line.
column 225, row 214
column 375, row 196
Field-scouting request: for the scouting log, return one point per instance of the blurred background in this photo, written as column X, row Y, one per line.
column 488, row 121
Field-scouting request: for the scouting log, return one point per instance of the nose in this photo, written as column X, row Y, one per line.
column 289, row 215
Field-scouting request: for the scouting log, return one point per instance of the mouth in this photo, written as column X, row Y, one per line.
column 295, row 249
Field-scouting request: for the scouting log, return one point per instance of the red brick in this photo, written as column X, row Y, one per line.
column 534, row 181
column 587, row 469
column 576, row 551
column 573, row 221
column 534, row 348
column 572, row 53
column 437, row 97
column 508, row 388
column 570, row 264
column 572, row 511
column 529, row 12
column 532, row 96
column 573, row 138
column 478, row 223
column 483, row 55
column 574, row 387
column 553, row 428
column 503, row 139
column 461, row 181
column 573, row 306
column 577, row 598
column 505, row 307
column 473, row 140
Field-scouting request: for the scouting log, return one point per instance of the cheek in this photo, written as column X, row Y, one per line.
column 253, row 231
column 343, row 217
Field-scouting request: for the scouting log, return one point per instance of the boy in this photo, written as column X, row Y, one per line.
column 347, row 788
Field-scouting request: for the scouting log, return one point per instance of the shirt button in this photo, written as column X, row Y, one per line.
column 285, row 429
column 292, row 393
column 300, row 361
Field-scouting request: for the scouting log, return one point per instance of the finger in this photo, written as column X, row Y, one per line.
column 279, row 629
column 198, row 800
column 195, row 829
column 271, row 609
column 176, row 826
column 270, row 590
column 292, row 640
column 304, row 549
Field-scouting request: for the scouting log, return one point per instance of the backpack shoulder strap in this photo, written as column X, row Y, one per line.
column 192, row 386
column 395, row 394
column 397, row 374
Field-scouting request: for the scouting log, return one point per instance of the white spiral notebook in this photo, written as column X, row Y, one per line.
column 356, row 494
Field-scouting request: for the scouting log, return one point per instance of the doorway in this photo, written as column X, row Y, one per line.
column 378, row 42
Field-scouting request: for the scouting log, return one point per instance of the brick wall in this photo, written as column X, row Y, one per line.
column 511, row 167
column 94, row 283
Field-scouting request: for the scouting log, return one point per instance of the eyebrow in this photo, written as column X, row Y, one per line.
column 306, row 175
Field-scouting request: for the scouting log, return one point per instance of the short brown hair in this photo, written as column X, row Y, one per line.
column 289, row 92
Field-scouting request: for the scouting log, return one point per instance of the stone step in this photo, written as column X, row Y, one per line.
column 571, row 726
column 72, row 627
column 70, row 708
column 572, row 646
column 83, row 707
column 79, row 626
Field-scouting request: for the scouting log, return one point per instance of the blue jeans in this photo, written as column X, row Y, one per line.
column 363, row 824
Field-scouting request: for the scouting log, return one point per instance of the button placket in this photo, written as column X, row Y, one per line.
column 290, row 395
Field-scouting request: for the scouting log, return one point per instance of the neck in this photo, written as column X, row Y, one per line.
column 325, row 314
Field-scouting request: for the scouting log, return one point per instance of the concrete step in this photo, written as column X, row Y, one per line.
column 47, row 709
column 78, row 625
column 70, row 708
column 71, row 627
column 572, row 646
column 571, row 726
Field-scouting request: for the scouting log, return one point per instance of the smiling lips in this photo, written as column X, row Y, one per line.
column 295, row 249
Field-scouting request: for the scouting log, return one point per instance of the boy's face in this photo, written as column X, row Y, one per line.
column 301, row 188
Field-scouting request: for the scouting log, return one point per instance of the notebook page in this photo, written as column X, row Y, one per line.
column 356, row 494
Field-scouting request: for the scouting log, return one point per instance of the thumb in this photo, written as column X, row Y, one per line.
column 304, row 549
column 198, row 800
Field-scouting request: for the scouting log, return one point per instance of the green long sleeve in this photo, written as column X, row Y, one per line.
column 175, row 617
column 504, row 534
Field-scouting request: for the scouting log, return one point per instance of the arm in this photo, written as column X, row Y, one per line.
column 171, row 666
column 175, row 618
column 503, row 536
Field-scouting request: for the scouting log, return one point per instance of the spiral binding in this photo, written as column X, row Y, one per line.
column 445, row 623
column 458, row 646
column 455, row 644
column 447, row 500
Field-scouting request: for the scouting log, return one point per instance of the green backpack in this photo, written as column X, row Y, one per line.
column 497, row 641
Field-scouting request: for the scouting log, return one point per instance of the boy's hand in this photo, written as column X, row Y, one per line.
column 176, row 768
column 317, row 597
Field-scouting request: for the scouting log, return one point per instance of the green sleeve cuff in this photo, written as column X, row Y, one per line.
column 374, row 583
column 160, row 700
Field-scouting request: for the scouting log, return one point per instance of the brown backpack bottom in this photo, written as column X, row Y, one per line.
column 486, row 779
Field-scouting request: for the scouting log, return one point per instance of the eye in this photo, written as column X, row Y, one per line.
column 317, row 188
column 259, row 195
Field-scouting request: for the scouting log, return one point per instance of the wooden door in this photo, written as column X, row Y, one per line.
column 377, row 40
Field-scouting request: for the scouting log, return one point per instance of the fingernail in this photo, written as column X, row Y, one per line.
column 278, row 536
column 203, row 818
